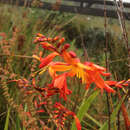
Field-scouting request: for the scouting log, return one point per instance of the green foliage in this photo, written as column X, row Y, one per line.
column 118, row 56
column 113, row 115
column 84, row 107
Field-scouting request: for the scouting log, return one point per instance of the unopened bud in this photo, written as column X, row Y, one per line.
column 72, row 54
column 40, row 35
column 66, row 46
column 49, row 39
column 55, row 38
column 60, row 42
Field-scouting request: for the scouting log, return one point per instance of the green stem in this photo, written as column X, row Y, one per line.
column 7, row 119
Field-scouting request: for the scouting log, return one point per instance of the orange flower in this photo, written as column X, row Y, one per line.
column 60, row 83
column 58, row 86
column 62, row 113
column 95, row 77
column 88, row 72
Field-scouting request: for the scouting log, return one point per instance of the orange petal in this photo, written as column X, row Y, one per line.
column 109, row 89
column 105, row 74
column 113, row 83
column 99, row 67
column 45, row 61
column 52, row 72
column 61, row 67
column 59, row 81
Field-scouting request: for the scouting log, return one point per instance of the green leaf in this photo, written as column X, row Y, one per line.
column 18, row 127
column 113, row 116
column 92, row 119
column 84, row 107
column 7, row 119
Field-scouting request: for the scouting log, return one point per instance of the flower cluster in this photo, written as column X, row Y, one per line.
column 61, row 113
column 88, row 72
column 69, row 66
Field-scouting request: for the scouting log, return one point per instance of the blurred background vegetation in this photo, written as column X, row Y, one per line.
column 18, row 27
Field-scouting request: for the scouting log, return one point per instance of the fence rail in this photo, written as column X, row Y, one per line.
column 88, row 7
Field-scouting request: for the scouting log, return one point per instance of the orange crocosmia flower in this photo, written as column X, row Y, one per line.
column 72, row 70
column 100, row 83
column 62, row 113
column 77, row 68
column 45, row 61
column 88, row 72
column 60, row 83
column 94, row 76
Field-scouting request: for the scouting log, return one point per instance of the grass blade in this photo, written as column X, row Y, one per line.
column 18, row 127
column 84, row 107
column 93, row 120
column 7, row 119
